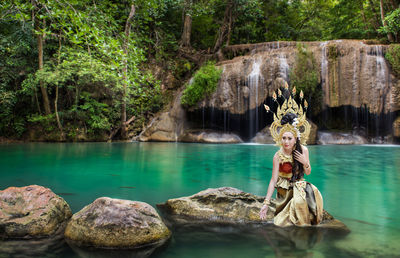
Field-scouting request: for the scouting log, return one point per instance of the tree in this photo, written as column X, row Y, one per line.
column 125, row 70
column 187, row 23
column 384, row 22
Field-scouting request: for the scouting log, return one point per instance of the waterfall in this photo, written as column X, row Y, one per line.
column 324, row 72
column 283, row 66
column 254, row 80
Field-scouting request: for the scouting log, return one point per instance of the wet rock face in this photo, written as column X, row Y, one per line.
column 224, row 204
column 396, row 128
column 209, row 137
column 167, row 126
column 115, row 223
column 263, row 137
column 350, row 72
column 32, row 212
column 340, row 138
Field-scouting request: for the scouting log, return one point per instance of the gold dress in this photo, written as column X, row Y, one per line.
column 297, row 203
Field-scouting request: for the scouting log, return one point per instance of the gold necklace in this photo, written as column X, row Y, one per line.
column 284, row 157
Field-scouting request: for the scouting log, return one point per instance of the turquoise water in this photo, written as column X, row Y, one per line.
column 360, row 186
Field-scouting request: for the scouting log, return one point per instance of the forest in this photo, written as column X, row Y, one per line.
column 98, row 70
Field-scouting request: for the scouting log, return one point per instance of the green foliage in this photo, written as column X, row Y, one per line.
column 393, row 23
column 204, row 83
column 393, row 56
column 47, row 122
column 304, row 76
column 85, row 59
column 16, row 62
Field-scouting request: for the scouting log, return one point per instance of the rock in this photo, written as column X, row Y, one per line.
column 32, row 212
column 330, row 223
column 263, row 137
column 209, row 137
column 312, row 138
column 351, row 73
column 381, row 139
column 36, row 247
column 166, row 126
column 86, row 252
column 222, row 205
column 115, row 223
column 161, row 129
column 228, row 205
column 340, row 138
column 396, row 128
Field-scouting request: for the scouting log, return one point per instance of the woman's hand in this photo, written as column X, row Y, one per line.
column 263, row 212
column 300, row 157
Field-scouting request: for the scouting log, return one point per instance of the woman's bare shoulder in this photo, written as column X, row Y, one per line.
column 276, row 156
column 304, row 148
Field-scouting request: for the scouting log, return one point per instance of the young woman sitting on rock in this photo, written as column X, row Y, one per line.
column 297, row 202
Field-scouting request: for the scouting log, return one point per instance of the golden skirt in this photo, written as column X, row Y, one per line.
column 300, row 204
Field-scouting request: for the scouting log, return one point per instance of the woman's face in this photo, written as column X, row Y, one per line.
column 288, row 141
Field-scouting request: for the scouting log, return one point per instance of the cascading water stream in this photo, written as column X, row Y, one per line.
column 324, row 71
column 283, row 67
column 254, row 79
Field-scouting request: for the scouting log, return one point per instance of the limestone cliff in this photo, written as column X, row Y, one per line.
column 350, row 72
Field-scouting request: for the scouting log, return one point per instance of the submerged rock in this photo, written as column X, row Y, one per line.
column 224, row 204
column 32, row 212
column 209, row 137
column 340, row 138
column 115, row 223
column 35, row 247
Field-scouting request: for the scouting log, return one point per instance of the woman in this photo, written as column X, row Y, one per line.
column 298, row 202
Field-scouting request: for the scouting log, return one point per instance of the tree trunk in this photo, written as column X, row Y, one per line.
column 225, row 29
column 125, row 72
column 389, row 35
column 376, row 23
column 46, row 103
column 56, row 98
column 45, row 96
column 57, row 117
column 187, row 25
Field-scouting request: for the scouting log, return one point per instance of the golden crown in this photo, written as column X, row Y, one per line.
column 300, row 127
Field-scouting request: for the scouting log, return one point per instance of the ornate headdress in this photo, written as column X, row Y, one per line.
column 299, row 127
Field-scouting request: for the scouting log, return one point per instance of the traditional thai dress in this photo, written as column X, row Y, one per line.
column 297, row 203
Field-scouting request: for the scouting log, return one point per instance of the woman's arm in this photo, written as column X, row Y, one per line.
column 271, row 186
column 274, row 177
column 307, row 165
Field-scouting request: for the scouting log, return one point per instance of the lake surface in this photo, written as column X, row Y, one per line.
column 360, row 186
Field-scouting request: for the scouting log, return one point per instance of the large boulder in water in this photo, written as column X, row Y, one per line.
column 166, row 126
column 264, row 136
column 340, row 138
column 228, row 205
column 32, row 212
column 209, row 137
column 224, row 204
column 115, row 223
